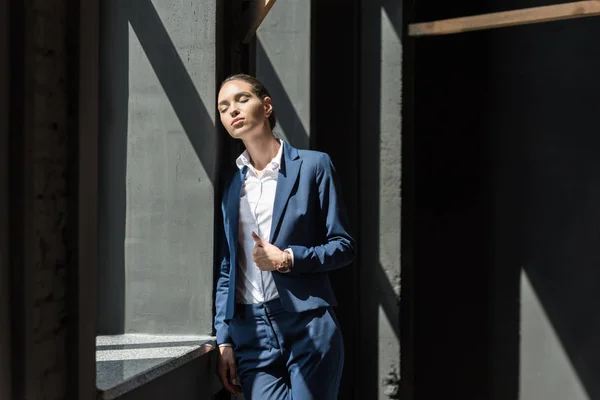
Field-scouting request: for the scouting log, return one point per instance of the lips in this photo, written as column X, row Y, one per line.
column 235, row 121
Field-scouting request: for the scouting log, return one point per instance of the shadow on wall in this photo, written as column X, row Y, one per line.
column 507, row 176
column 287, row 117
column 193, row 115
column 546, row 147
column 561, row 220
column 175, row 80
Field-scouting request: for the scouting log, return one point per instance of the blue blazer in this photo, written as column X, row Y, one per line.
column 308, row 217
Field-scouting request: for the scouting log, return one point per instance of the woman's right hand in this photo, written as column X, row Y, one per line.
column 228, row 370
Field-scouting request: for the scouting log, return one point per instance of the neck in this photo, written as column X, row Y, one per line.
column 262, row 150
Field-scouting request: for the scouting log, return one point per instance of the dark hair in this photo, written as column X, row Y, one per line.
column 257, row 87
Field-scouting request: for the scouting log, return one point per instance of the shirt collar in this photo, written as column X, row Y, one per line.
column 244, row 159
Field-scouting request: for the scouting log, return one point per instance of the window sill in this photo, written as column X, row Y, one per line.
column 126, row 362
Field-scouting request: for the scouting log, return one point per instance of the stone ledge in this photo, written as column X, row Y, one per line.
column 126, row 362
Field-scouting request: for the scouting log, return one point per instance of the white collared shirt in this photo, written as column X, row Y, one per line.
column 256, row 215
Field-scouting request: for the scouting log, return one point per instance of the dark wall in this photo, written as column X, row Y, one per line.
column 507, row 166
column 4, row 179
column 327, row 44
column 453, row 232
column 548, row 169
column 38, row 219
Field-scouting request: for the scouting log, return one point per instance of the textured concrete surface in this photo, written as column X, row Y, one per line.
column 283, row 65
column 159, row 160
column 390, row 179
column 134, row 340
column 46, row 202
column 39, row 194
column 126, row 362
column 381, row 141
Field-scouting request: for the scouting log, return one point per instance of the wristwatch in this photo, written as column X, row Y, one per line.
column 284, row 268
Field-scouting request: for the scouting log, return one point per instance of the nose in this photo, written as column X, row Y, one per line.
column 234, row 112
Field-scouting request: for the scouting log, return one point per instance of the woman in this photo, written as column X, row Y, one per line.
column 284, row 228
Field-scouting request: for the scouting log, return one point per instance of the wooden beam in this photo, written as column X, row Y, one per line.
column 524, row 16
column 263, row 10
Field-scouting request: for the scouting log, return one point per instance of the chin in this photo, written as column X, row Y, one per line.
column 238, row 134
column 243, row 133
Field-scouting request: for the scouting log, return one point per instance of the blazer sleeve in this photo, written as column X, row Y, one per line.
column 339, row 248
column 222, row 289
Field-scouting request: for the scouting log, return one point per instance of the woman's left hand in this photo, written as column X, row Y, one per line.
column 265, row 255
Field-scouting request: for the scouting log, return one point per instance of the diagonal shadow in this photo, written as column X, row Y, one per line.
column 394, row 10
column 286, row 113
column 388, row 299
column 189, row 108
column 176, row 82
column 560, row 238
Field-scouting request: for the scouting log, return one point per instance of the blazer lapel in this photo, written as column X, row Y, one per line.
column 288, row 175
column 233, row 210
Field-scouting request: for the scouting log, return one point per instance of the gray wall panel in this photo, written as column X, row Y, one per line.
column 159, row 167
column 283, row 65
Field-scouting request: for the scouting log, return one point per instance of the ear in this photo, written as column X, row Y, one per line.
column 268, row 105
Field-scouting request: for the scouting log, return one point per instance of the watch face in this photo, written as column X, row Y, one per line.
column 284, row 270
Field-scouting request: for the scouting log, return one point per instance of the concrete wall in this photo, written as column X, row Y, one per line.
column 506, row 180
column 38, row 198
column 553, row 128
column 380, row 189
column 283, row 65
column 46, row 235
column 158, row 166
column 542, row 129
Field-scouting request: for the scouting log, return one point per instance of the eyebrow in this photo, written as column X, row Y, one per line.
column 237, row 96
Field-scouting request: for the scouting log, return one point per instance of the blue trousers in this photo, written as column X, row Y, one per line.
column 287, row 355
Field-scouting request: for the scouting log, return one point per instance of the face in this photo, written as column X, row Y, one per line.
column 242, row 112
